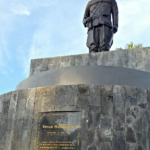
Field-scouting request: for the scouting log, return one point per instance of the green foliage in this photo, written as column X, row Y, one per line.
column 131, row 45
column 119, row 48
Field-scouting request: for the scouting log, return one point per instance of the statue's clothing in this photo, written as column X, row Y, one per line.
column 100, row 38
column 98, row 20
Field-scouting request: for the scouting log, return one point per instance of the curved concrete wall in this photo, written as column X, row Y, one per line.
column 113, row 117
column 135, row 59
column 88, row 75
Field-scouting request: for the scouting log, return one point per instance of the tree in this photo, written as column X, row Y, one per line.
column 131, row 46
column 119, row 48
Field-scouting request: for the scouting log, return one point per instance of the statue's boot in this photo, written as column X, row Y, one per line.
column 93, row 52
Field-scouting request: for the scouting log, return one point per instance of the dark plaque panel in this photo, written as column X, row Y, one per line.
column 59, row 131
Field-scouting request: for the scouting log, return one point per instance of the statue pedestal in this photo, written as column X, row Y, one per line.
column 85, row 102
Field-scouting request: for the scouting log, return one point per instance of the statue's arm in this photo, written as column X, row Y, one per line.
column 115, row 14
column 86, row 15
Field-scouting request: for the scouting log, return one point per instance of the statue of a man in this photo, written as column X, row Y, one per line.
column 97, row 18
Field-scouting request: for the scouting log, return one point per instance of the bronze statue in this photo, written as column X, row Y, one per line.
column 97, row 18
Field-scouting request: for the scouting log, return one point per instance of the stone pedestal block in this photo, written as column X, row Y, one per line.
column 91, row 112
column 111, row 117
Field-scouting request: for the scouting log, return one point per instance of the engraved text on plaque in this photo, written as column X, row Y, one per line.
column 59, row 131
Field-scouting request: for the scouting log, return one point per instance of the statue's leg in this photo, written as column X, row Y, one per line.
column 92, row 40
column 106, row 38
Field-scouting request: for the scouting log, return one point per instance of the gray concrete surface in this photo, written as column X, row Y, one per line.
column 135, row 59
column 88, row 75
column 113, row 117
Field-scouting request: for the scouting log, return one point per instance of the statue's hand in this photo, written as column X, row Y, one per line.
column 86, row 21
column 115, row 29
column 89, row 19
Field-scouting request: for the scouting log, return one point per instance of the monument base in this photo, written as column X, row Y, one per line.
column 89, row 109
column 77, row 117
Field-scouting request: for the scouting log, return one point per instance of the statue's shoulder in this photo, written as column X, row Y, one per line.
column 89, row 3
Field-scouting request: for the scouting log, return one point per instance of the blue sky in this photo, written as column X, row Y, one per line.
column 47, row 28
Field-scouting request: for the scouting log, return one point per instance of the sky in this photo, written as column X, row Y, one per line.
column 31, row 29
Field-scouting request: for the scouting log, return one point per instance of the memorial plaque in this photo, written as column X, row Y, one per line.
column 59, row 131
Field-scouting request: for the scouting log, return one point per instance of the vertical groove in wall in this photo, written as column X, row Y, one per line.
column 1, row 118
column 1, row 105
column 119, row 116
column 23, row 110
column 28, row 118
column 125, row 113
column 22, row 97
column 148, row 101
column 11, row 120
column 113, row 124
column 106, row 120
column 4, row 119
column 32, row 124
column 39, row 103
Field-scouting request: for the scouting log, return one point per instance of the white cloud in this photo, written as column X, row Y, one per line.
column 5, row 55
column 134, row 22
column 59, row 29
column 6, row 50
column 21, row 10
column 41, row 46
column 1, row 62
